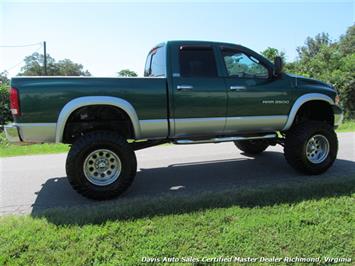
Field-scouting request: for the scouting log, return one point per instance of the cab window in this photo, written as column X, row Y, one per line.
column 197, row 62
column 241, row 65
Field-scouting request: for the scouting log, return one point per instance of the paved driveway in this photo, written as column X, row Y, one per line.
column 34, row 183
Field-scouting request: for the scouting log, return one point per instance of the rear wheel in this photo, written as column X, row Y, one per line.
column 311, row 147
column 101, row 165
column 252, row 146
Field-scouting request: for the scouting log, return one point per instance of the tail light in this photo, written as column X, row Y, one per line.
column 15, row 102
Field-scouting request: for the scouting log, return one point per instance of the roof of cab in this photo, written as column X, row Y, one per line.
column 201, row 42
column 195, row 42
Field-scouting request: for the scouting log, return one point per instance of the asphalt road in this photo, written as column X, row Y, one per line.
column 31, row 184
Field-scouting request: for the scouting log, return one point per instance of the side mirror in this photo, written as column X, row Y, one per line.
column 278, row 65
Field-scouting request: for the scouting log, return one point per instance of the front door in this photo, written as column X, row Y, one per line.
column 256, row 100
column 199, row 94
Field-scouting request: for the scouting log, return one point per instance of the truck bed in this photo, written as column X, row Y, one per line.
column 42, row 98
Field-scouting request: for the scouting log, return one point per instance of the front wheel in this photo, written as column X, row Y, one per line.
column 101, row 165
column 311, row 147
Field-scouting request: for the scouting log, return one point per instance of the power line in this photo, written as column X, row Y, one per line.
column 21, row 62
column 19, row 46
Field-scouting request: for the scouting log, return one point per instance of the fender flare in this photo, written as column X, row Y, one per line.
column 77, row 103
column 300, row 101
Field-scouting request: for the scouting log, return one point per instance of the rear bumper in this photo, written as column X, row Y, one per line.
column 31, row 132
column 12, row 133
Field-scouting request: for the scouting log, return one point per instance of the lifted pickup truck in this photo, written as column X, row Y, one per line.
column 193, row 92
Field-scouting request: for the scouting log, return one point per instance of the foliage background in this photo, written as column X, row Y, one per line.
column 327, row 60
column 5, row 114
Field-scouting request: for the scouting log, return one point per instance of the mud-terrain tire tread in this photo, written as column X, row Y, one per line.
column 96, row 140
column 295, row 143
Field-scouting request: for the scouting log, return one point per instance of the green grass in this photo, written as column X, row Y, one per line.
column 7, row 149
column 347, row 126
column 310, row 219
column 14, row 150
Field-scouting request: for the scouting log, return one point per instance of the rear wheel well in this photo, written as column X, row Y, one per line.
column 316, row 111
column 97, row 117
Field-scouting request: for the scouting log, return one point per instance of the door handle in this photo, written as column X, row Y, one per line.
column 184, row 87
column 237, row 88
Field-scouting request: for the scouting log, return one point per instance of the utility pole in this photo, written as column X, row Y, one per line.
column 45, row 58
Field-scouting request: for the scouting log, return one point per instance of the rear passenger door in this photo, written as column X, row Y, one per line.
column 199, row 94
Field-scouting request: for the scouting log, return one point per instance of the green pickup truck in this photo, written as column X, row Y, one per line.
column 192, row 92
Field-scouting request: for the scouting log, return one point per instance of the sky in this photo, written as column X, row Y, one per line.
column 107, row 36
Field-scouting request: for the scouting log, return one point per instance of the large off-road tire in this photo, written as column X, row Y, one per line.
column 252, row 147
column 311, row 147
column 101, row 165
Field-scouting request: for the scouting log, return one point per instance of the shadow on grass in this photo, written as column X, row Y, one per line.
column 185, row 188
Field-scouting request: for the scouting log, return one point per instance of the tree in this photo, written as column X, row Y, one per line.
column 347, row 41
column 345, row 73
column 5, row 114
column 313, row 45
column 3, row 78
column 329, row 61
column 127, row 73
column 34, row 67
column 270, row 53
column 68, row 68
column 332, row 62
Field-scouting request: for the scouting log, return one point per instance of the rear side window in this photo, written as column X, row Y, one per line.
column 156, row 63
column 147, row 65
column 197, row 62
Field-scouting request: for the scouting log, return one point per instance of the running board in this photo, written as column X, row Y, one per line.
column 217, row 140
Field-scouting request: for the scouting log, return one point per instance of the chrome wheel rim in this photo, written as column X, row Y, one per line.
column 317, row 149
column 102, row 167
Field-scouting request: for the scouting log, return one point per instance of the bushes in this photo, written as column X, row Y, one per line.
column 3, row 141
column 332, row 66
column 332, row 62
column 5, row 114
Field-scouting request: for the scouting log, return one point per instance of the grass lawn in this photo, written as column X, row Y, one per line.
column 15, row 150
column 7, row 149
column 347, row 126
column 314, row 219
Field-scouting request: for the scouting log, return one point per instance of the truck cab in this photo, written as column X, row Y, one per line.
column 226, row 89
